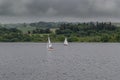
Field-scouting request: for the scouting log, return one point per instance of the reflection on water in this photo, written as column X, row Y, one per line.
column 78, row 61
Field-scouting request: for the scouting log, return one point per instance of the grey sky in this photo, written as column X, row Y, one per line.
column 59, row 10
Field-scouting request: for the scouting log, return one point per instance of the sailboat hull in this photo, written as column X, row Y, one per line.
column 50, row 49
column 65, row 44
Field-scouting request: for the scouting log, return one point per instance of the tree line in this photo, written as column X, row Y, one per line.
column 75, row 32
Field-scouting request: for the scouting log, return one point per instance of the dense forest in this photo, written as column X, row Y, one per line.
column 75, row 32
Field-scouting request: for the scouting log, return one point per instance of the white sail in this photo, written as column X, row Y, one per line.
column 49, row 42
column 49, row 45
column 65, row 42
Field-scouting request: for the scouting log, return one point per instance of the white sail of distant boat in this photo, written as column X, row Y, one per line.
column 49, row 45
column 66, row 42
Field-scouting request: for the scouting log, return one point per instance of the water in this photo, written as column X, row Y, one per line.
column 78, row 61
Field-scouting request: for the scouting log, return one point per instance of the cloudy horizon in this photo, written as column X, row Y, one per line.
column 19, row 11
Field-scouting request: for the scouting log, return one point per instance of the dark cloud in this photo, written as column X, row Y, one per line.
column 60, row 8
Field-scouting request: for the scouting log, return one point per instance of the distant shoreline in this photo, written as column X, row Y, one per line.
column 74, row 32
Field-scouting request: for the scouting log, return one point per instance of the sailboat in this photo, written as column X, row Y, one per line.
column 49, row 45
column 65, row 42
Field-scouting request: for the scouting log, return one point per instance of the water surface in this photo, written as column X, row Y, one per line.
column 78, row 61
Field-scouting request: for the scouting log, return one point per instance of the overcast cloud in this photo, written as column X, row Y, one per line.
column 59, row 10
